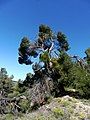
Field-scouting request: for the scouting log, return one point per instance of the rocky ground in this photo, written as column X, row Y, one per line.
column 61, row 108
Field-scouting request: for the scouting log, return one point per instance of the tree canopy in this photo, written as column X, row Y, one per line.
column 47, row 46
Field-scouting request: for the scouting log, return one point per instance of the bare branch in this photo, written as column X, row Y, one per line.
column 50, row 49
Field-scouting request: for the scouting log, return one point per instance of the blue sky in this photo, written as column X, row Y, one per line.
column 19, row 18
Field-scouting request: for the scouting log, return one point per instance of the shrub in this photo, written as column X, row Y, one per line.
column 8, row 117
column 24, row 105
column 57, row 112
column 64, row 102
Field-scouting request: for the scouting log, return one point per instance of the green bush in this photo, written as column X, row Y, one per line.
column 80, row 80
column 24, row 105
column 57, row 112
column 8, row 117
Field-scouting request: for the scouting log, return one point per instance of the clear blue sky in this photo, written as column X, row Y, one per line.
column 19, row 18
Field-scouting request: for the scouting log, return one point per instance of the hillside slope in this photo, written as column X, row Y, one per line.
column 61, row 108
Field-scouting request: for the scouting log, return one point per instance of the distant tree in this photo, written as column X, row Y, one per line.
column 6, row 82
column 45, row 47
column 87, row 56
column 87, row 59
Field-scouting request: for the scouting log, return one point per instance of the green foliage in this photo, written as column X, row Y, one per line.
column 50, row 99
column 87, row 58
column 71, row 74
column 84, row 86
column 24, row 44
column 64, row 46
column 58, row 112
column 88, row 55
column 23, row 51
column 64, row 102
column 24, row 105
column 82, row 116
column 13, row 94
column 20, row 87
column 6, row 83
column 45, row 47
column 80, row 80
column 8, row 117
column 44, row 29
column 65, row 61
column 45, row 57
column 61, row 66
column 28, row 82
